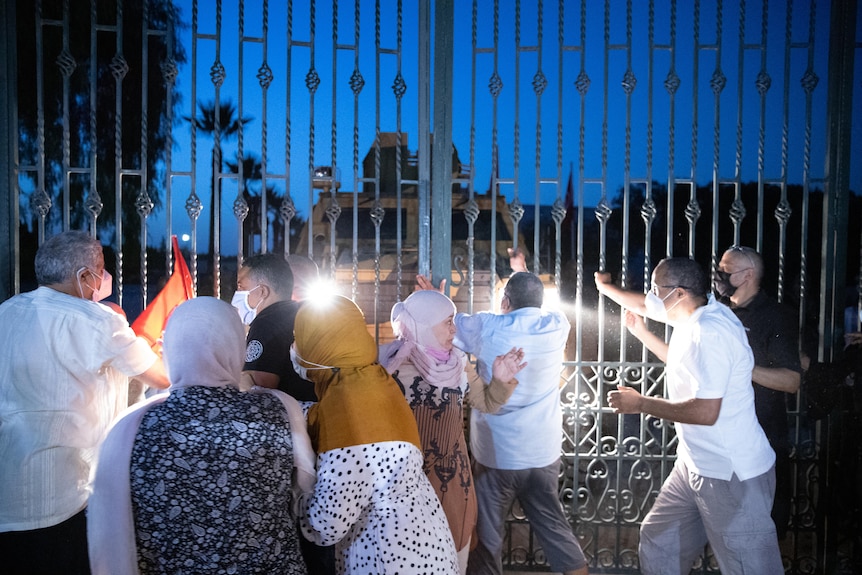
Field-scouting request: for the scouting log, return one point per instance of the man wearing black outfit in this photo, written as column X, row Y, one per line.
column 268, row 282
column 264, row 288
column 773, row 334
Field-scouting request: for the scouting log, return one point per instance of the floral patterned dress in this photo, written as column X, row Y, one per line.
column 439, row 413
column 210, row 485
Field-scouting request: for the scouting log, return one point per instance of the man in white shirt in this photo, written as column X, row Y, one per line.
column 721, row 489
column 63, row 381
column 517, row 449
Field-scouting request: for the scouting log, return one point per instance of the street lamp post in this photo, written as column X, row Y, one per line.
column 328, row 179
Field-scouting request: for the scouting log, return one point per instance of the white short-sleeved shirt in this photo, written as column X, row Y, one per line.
column 63, row 380
column 526, row 433
column 708, row 358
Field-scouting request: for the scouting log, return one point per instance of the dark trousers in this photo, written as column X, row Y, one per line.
column 536, row 490
column 319, row 560
column 57, row 550
column 783, row 492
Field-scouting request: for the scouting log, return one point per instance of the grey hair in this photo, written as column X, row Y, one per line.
column 62, row 255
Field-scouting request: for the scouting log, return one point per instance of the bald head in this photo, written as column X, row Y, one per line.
column 742, row 258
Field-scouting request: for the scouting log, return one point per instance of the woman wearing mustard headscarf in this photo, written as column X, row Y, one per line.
column 372, row 500
column 430, row 372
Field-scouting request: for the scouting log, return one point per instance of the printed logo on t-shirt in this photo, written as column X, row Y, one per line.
column 253, row 351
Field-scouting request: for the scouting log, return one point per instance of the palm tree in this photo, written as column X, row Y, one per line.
column 252, row 174
column 252, row 170
column 218, row 119
column 164, row 107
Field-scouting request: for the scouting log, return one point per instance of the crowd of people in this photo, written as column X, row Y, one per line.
column 289, row 442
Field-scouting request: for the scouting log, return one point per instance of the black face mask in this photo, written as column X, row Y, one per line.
column 722, row 285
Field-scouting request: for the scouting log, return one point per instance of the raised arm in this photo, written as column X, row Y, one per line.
column 637, row 327
column 628, row 299
column 425, row 283
column 517, row 260
column 490, row 397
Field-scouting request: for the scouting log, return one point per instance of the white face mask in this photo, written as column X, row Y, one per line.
column 105, row 288
column 300, row 369
column 240, row 302
column 655, row 306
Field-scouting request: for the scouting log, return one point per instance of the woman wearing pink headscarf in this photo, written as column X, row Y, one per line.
column 431, row 374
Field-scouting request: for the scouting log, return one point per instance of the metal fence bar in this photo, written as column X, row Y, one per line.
column 356, row 84
column 193, row 204
column 67, row 65
column 441, row 147
column 143, row 202
column 119, row 69
column 240, row 205
column 424, row 99
column 10, row 280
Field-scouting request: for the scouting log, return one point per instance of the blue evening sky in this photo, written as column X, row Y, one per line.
column 517, row 105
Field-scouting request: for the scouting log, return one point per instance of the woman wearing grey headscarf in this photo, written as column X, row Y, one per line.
column 205, row 479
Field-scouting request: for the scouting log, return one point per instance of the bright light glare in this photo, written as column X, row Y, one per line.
column 320, row 292
column 185, row 237
column 552, row 298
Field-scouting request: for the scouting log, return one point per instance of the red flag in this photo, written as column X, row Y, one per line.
column 495, row 174
column 570, row 192
column 151, row 323
column 570, row 214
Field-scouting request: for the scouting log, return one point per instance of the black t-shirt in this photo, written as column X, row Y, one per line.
column 267, row 349
column 773, row 334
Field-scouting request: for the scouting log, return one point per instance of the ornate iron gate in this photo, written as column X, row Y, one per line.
column 597, row 135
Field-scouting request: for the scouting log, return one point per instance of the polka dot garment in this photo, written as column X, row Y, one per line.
column 374, row 502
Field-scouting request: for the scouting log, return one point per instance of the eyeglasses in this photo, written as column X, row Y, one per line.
column 747, row 251
column 654, row 289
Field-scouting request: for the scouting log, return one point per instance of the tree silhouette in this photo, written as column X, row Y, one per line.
column 252, row 175
column 221, row 123
column 252, row 170
column 141, row 141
